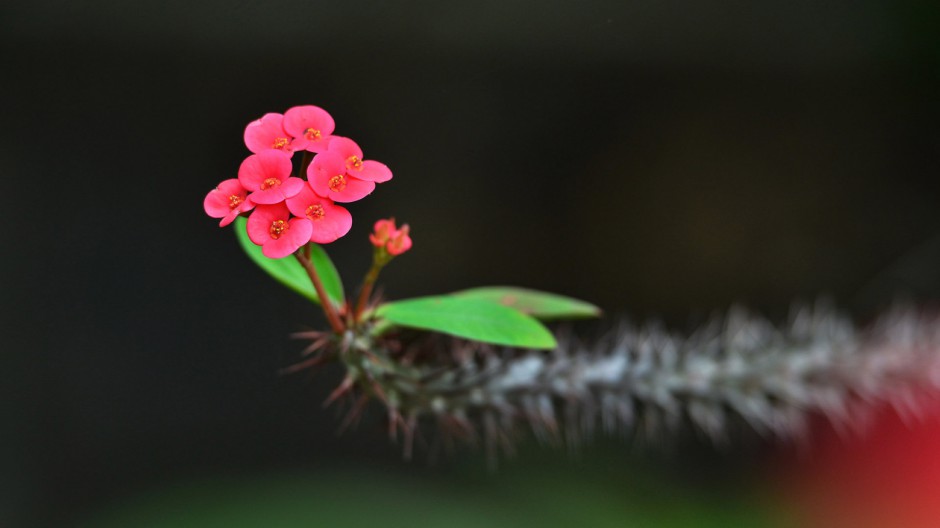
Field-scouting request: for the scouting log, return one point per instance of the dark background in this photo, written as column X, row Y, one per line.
column 659, row 158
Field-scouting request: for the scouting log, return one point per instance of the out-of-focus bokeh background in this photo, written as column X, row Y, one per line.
column 659, row 158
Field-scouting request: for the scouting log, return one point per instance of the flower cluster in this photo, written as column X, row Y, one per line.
column 288, row 209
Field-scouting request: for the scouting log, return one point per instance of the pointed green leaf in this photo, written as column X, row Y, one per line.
column 289, row 272
column 541, row 305
column 476, row 319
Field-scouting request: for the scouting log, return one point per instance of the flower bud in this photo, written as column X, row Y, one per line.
column 399, row 241
column 383, row 230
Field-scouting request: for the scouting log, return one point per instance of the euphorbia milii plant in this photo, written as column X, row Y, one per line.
column 476, row 359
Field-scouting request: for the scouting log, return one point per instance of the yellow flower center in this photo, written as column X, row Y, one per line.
column 277, row 228
column 269, row 183
column 354, row 162
column 337, row 183
column 280, row 143
column 312, row 134
column 234, row 201
column 315, row 212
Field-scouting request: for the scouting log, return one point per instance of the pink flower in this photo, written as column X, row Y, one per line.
column 279, row 235
column 267, row 175
column 329, row 221
column 227, row 201
column 328, row 178
column 268, row 133
column 357, row 167
column 399, row 242
column 382, row 231
column 310, row 126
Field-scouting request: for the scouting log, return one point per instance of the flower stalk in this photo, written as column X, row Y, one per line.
column 336, row 323
column 368, row 283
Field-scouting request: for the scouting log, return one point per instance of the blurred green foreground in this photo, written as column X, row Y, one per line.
column 550, row 489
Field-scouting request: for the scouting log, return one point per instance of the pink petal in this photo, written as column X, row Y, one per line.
column 345, row 147
column 372, row 171
column 279, row 248
column 298, row 144
column 278, row 193
column 292, row 186
column 350, row 190
column 319, row 145
column 324, row 167
column 268, row 133
column 335, row 223
column 231, row 186
column 216, row 204
column 299, row 203
column 270, row 196
column 229, row 218
column 300, row 231
column 259, row 167
column 299, row 118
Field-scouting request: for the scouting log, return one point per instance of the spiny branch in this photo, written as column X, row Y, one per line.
column 649, row 381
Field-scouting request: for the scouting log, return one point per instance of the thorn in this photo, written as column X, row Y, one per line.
column 352, row 418
column 343, row 388
column 310, row 334
column 308, row 363
column 319, row 340
column 316, row 345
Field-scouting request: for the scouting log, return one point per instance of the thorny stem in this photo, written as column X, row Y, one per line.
column 650, row 381
column 335, row 322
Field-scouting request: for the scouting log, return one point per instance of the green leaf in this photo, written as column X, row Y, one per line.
column 541, row 305
column 289, row 272
column 477, row 319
